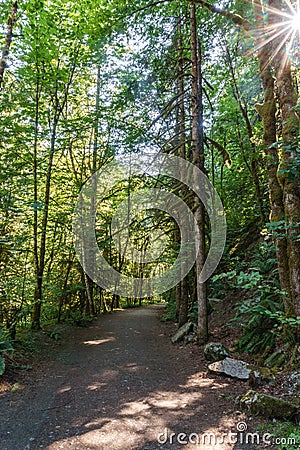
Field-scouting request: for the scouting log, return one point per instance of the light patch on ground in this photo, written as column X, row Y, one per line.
column 99, row 341
column 64, row 389
column 173, row 400
column 198, row 379
column 130, row 409
column 96, row 386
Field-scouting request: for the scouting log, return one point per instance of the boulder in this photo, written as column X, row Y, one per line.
column 268, row 406
column 182, row 332
column 231, row 367
column 215, row 351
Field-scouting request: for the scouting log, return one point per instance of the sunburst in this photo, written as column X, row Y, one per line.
column 281, row 29
column 295, row 22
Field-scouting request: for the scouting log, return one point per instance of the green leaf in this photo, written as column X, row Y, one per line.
column 2, row 365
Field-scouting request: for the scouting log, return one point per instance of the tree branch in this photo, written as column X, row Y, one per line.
column 235, row 18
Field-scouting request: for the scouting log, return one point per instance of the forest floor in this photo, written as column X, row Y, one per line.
column 120, row 384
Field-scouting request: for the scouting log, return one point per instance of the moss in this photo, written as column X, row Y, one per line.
column 268, row 406
column 266, row 374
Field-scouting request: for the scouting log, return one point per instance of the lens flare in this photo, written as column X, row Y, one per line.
column 279, row 28
column 295, row 22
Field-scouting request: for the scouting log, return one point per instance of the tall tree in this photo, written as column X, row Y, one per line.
column 276, row 56
column 198, row 161
column 12, row 18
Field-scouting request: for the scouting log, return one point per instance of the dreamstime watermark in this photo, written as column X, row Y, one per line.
column 118, row 175
column 239, row 436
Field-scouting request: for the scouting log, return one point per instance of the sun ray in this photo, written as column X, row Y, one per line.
column 295, row 22
column 271, row 38
column 275, row 52
column 278, row 28
column 292, row 8
column 278, row 49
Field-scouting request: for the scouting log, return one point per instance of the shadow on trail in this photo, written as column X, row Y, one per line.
column 124, row 386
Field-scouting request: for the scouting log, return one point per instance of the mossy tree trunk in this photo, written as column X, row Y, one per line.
column 281, row 159
column 267, row 111
column 198, row 161
column 283, row 166
column 288, row 173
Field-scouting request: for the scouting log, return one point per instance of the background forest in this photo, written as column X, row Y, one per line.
column 85, row 82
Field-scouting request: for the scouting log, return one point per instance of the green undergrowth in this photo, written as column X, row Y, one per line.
column 6, row 348
column 170, row 312
column 285, row 433
column 260, row 311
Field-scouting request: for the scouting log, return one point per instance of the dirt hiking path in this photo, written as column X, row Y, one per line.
column 120, row 384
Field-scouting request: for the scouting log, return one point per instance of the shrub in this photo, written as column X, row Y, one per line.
column 5, row 347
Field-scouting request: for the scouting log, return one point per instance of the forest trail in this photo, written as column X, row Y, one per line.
column 117, row 385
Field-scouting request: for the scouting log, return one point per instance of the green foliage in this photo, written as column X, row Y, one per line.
column 80, row 319
column 91, row 81
column 262, row 316
column 291, row 169
column 2, row 365
column 281, row 229
column 170, row 298
column 287, row 433
column 5, row 347
column 54, row 334
column 193, row 314
column 171, row 313
column 227, row 278
column 261, row 313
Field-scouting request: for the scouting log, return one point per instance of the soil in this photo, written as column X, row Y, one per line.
column 120, row 384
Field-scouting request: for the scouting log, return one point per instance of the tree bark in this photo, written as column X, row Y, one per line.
column 267, row 111
column 198, row 161
column 64, row 289
column 182, row 299
column 289, row 177
column 40, row 250
column 290, row 181
column 36, row 313
column 8, row 40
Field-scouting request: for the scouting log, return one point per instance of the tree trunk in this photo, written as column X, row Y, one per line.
column 182, row 303
column 37, row 305
column 289, row 179
column 40, row 250
column 289, row 175
column 267, row 111
column 64, row 290
column 198, row 161
column 9, row 35
column 89, row 305
column 36, row 313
